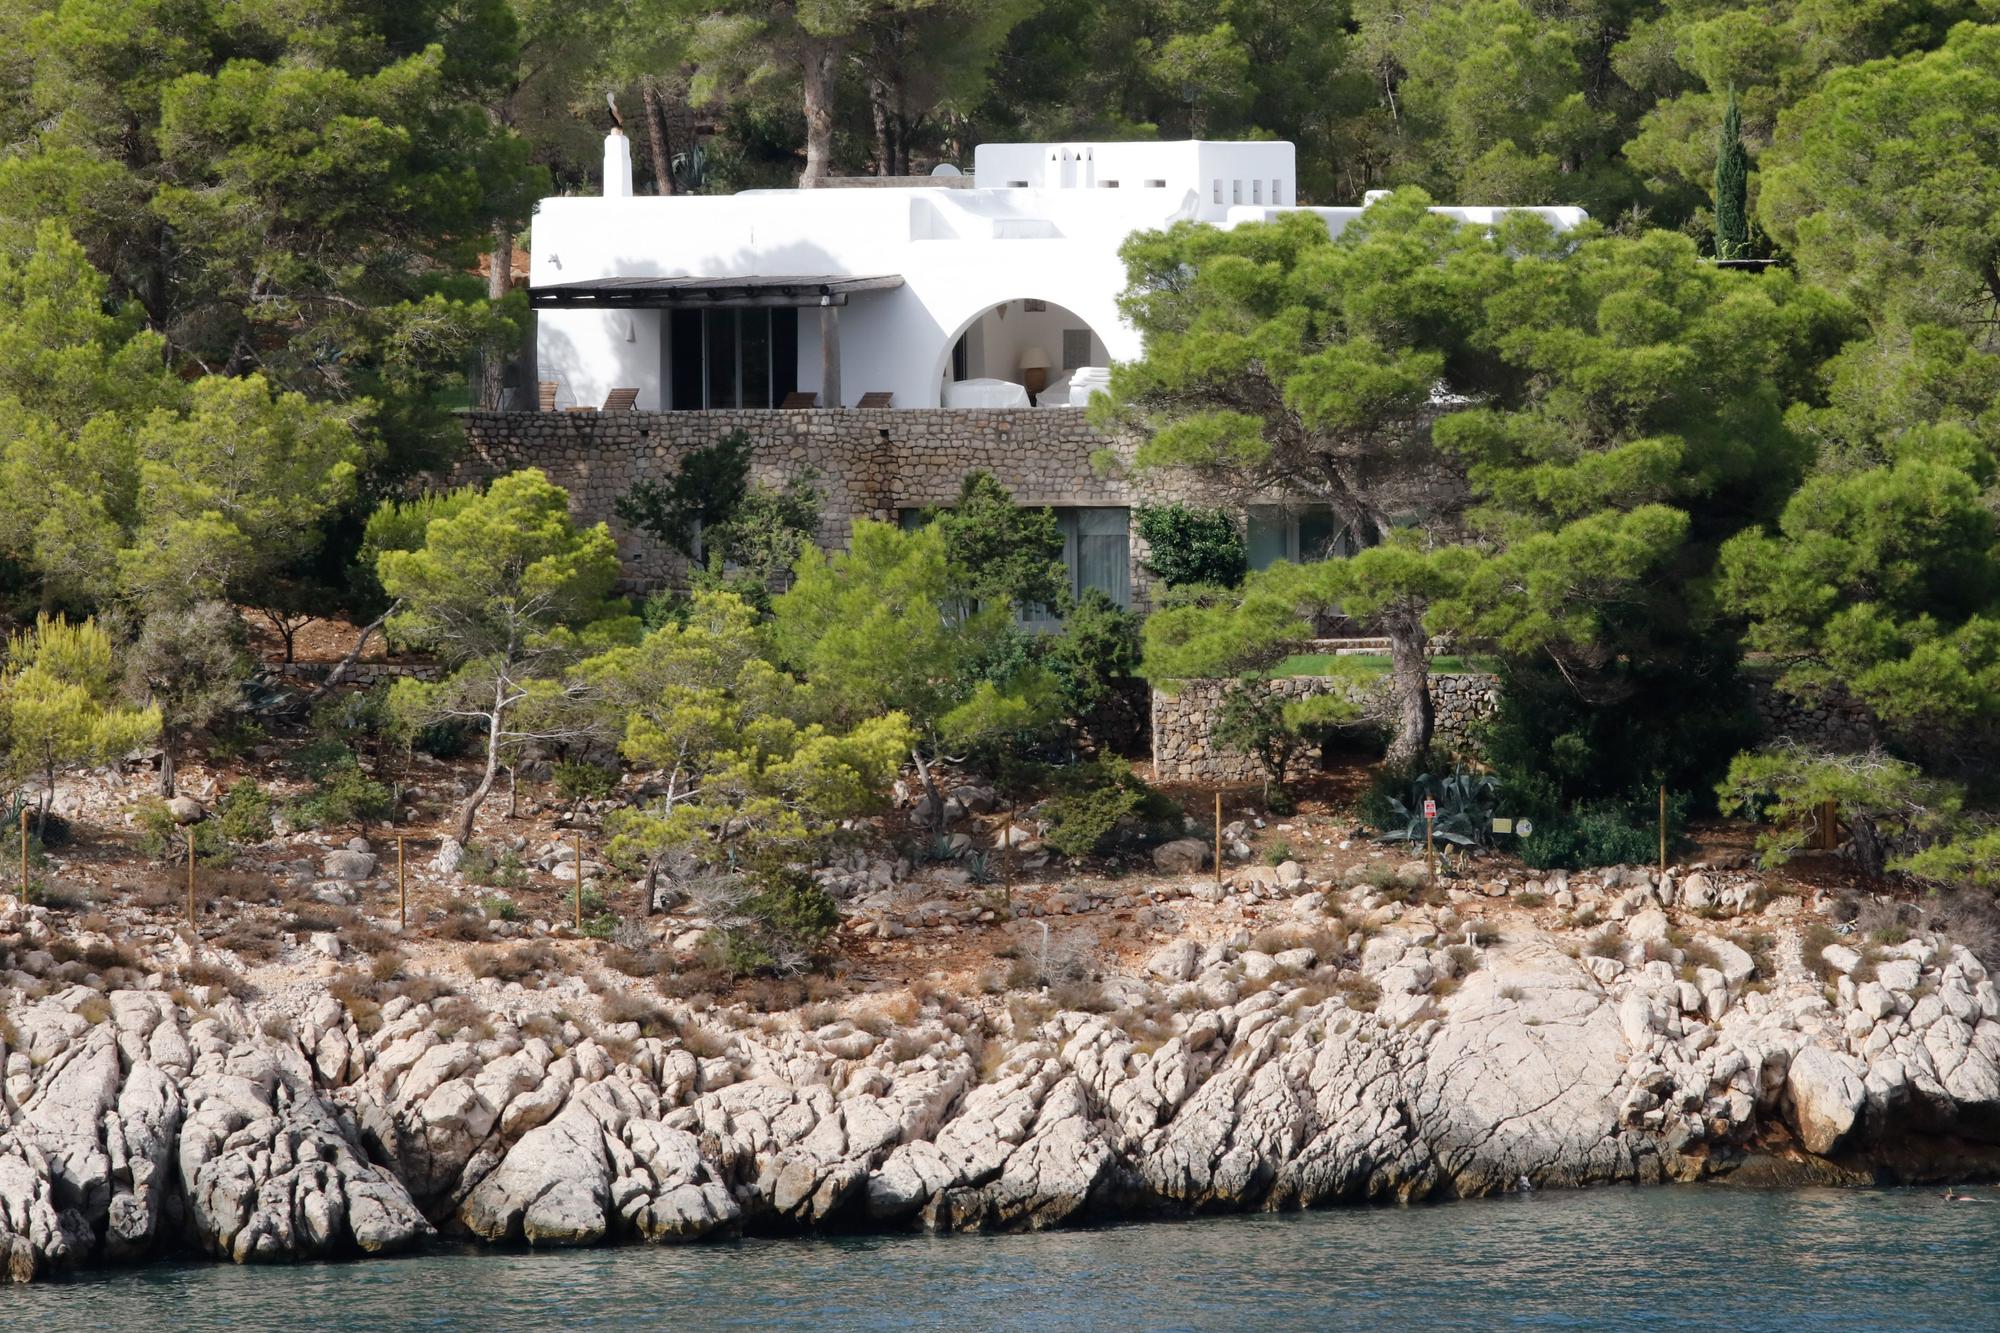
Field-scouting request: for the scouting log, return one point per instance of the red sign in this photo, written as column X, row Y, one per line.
column 1430, row 809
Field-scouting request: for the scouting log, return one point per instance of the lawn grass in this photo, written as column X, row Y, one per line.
column 1367, row 664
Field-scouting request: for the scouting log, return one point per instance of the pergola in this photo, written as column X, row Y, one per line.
column 827, row 292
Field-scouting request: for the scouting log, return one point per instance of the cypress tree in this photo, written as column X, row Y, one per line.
column 1732, row 176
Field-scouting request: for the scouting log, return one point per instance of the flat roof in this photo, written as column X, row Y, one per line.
column 765, row 290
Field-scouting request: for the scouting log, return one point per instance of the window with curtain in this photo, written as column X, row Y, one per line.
column 1298, row 533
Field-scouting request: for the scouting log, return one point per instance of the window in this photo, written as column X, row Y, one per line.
column 1076, row 348
column 1156, row 184
column 1097, row 553
column 1276, row 196
column 1107, row 185
column 1218, row 191
column 731, row 358
column 1236, row 192
column 1017, row 185
column 1298, row 533
column 1256, row 192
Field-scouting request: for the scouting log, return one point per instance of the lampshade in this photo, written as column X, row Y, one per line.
column 1034, row 358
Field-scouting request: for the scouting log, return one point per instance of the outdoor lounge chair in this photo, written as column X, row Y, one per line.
column 621, row 400
column 877, row 399
column 545, row 396
column 798, row 402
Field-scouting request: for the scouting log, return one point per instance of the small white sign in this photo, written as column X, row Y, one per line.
column 1430, row 808
column 1524, row 827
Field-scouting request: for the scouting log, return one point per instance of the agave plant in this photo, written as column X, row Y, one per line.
column 1465, row 805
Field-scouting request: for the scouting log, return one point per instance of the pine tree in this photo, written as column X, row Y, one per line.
column 1732, row 178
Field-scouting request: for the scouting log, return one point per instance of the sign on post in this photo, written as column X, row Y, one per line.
column 1430, row 848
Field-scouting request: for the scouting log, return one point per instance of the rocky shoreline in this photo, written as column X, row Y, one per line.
column 138, row 1122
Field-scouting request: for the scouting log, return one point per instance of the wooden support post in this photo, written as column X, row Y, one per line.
column 1430, row 848
column 402, row 884
column 576, row 846
column 1218, row 837
column 1007, row 851
column 193, row 925
column 829, row 355
column 24, row 856
column 1663, row 830
column 1829, row 826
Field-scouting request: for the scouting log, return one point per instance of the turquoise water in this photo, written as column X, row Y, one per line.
column 1667, row 1258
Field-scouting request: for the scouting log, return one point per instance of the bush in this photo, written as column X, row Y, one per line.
column 244, row 814
column 522, row 963
column 1602, row 834
column 163, row 838
column 343, row 795
column 1095, row 662
column 1091, row 801
column 577, row 781
column 1192, row 546
column 779, row 926
column 505, row 871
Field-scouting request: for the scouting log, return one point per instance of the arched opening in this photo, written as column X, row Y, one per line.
column 1036, row 345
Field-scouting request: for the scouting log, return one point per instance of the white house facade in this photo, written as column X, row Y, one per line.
column 980, row 291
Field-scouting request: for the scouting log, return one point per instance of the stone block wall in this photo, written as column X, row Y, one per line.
column 1185, row 750
column 871, row 463
column 1837, row 722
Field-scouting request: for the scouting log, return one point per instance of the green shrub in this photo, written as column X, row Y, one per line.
column 504, row 871
column 1091, row 801
column 1192, row 546
column 578, row 780
column 244, row 814
column 162, row 838
column 343, row 795
column 498, row 907
column 1603, row 834
column 1095, row 662
column 785, row 922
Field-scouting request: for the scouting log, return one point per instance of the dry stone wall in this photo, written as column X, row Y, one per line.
column 1185, row 748
column 871, row 463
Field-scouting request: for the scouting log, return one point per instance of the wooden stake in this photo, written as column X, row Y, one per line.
column 402, row 884
column 1663, row 830
column 190, row 846
column 1430, row 848
column 1218, row 837
column 1007, row 851
column 576, row 844
column 24, row 856
column 1829, row 826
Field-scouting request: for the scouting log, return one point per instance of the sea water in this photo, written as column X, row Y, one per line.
column 1678, row 1257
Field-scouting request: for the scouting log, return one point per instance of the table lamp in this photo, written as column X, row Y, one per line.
column 1034, row 369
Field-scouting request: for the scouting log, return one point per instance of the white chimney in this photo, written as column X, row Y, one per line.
column 617, row 165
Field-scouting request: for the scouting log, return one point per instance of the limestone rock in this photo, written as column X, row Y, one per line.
column 1182, row 856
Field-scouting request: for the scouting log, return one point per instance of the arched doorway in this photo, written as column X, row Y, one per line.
column 1027, row 341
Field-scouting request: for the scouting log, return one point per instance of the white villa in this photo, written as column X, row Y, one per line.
column 953, row 291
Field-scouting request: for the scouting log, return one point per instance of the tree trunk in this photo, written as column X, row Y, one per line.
column 499, row 281
column 885, row 152
column 658, row 137
column 467, row 811
column 1409, row 686
column 167, row 775
column 819, row 80
column 930, row 789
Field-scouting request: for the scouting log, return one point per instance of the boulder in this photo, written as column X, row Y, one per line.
column 186, row 810
column 1182, row 856
column 1824, row 1094
column 1175, row 962
column 1841, row 958
column 450, row 855
column 347, row 865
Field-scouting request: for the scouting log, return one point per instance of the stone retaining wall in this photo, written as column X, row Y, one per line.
column 361, row 674
column 871, row 463
column 1184, row 748
column 1836, row 722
